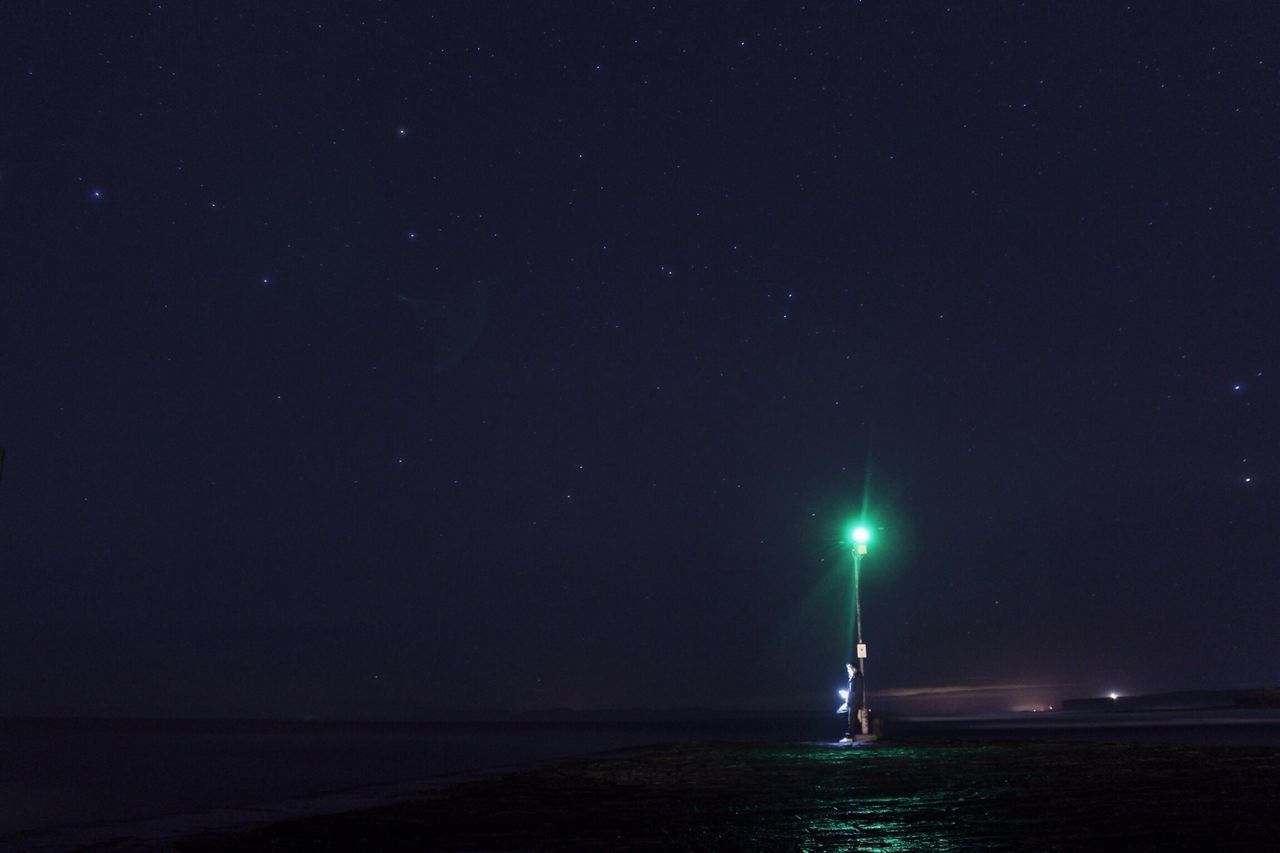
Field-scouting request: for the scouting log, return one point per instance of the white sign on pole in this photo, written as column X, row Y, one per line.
column 862, row 650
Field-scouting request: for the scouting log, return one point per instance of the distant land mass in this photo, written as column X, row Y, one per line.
column 1182, row 700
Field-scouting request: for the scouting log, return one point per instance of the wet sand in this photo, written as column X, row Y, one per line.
column 906, row 795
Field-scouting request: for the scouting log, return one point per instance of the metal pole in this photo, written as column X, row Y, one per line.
column 861, row 661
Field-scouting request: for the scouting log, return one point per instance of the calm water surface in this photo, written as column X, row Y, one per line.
column 78, row 773
column 65, row 783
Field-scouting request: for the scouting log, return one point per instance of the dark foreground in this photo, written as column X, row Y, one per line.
column 942, row 795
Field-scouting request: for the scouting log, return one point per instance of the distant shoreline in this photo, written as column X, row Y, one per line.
column 1251, row 697
column 1180, row 700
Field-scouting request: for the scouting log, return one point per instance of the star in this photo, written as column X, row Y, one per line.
column 97, row 193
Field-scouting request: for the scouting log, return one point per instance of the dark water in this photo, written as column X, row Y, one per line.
column 96, row 779
column 66, row 783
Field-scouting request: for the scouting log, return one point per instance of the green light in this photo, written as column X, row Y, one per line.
column 861, row 535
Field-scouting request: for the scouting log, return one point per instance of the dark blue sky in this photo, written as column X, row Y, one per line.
column 405, row 359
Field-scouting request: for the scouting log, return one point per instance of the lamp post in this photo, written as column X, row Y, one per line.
column 858, row 709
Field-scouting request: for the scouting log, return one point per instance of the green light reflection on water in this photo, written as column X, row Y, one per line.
column 877, row 798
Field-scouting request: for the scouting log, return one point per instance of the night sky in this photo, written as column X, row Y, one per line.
column 408, row 360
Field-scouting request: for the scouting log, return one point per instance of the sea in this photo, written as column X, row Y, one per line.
column 130, row 784
column 142, row 784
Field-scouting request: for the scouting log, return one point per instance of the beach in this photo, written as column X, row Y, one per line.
column 913, row 794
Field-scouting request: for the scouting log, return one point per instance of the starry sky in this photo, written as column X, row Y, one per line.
column 398, row 360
